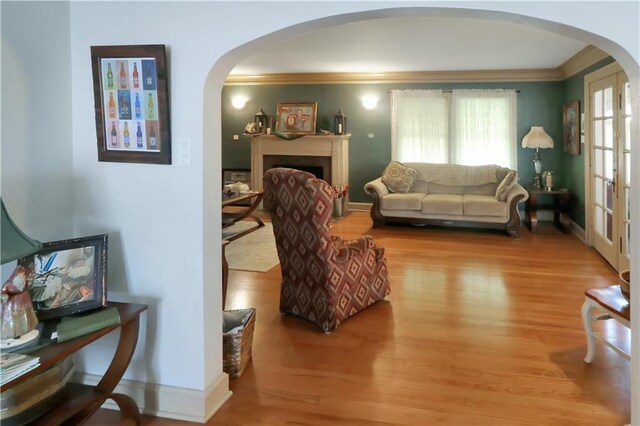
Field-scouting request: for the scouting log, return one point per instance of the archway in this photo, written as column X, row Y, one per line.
column 212, row 130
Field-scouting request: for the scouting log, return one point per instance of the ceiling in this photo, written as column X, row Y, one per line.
column 407, row 44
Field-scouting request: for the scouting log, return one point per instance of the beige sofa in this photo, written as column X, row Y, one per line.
column 449, row 194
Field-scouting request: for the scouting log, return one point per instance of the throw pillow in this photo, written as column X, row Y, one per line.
column 507, row 183
column 398, row 177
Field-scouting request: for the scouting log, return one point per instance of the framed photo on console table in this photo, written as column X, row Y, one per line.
column 131, row 103
column 69, row 276
column 297, row 117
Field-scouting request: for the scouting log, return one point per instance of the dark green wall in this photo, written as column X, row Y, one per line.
column 539, row 104
column 572, row 166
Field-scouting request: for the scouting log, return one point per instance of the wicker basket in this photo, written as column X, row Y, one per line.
column 625, row 286
column 236, row 348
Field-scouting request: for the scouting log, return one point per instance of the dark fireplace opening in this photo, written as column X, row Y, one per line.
column 319, row 166
column 317, row 171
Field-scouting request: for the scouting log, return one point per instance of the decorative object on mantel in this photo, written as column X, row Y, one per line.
column 18, row 320
column 324, row 125
column 250, row 128
column 287, row 136
column 131, row 103
column 297, row 117
column 340, row 122
column 571, row 127
column 537, row 138
column 261, row 119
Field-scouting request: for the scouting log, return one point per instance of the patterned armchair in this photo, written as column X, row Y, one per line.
column 324, row 279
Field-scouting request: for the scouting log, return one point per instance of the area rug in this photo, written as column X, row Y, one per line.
column 253, row 252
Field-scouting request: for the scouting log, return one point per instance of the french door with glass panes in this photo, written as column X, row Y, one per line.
column 609, row 121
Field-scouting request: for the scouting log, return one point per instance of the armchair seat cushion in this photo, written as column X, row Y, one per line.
column 410, row 201
column 446, row 204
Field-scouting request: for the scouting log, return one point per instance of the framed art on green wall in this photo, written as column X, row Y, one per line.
column 131, row 103
column 571, row 127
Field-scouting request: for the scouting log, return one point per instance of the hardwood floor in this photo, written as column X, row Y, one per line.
column 480, row 329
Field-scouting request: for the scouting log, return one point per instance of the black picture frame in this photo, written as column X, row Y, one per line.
column 131, row 98
column 69, row 276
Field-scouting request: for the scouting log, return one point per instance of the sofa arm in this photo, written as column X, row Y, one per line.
column 515, row 195
column 517, row 190
column 376, row 187
column 377, row 190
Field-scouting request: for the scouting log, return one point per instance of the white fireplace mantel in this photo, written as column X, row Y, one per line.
column 334, row 146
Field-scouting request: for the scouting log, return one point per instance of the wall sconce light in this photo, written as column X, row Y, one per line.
column 239, row 101
column 369, row 101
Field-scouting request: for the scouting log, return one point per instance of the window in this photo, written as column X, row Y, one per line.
column 469, row 127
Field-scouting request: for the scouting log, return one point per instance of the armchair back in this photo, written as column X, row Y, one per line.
column 324, row 278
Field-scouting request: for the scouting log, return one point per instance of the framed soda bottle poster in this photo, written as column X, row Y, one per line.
column 131, row 103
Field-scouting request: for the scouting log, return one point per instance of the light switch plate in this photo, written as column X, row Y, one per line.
column 184, row 152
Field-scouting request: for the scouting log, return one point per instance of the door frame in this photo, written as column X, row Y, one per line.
column 603, row 72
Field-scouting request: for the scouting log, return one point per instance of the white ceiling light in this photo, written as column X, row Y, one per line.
column 369, row 101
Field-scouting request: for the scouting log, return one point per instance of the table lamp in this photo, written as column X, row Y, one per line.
column 537, row 138
column 18, row 320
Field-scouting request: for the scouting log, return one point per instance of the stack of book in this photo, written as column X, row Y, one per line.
column 13, row 365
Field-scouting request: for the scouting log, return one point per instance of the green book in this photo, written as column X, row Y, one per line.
column 71, row 327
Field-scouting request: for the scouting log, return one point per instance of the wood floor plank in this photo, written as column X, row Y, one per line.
column 480, row 329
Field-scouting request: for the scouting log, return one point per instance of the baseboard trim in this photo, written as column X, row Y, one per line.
column 579, row 232
column 360, row 207
column 171, row 402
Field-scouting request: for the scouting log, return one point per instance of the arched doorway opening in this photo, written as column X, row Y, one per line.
column 212, row 127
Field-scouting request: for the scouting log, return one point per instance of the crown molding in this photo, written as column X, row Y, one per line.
column 398, row 77
column 588, row 56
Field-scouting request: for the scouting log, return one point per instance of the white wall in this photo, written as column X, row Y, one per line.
column 36, row 118
column 164, row 221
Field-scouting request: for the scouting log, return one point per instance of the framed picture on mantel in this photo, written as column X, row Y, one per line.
column 131, row 103
column 297, row 117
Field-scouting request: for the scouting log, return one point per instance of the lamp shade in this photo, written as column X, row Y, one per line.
column 537, row 138
column 15, row 244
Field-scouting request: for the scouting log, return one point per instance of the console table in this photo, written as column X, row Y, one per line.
column 76, row 403
column 560, row 202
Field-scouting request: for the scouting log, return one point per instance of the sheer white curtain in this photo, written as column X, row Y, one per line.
column 484, row 127
column 419, row 126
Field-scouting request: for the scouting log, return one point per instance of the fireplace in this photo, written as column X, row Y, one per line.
column 328, row 153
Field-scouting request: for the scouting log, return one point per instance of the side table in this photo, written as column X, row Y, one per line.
column 77, row 402
column 615, row 306
column 560, row 202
